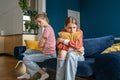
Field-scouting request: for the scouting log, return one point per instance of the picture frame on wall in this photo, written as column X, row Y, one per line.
column 75, row 14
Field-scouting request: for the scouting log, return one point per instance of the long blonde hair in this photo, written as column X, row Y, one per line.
column 42, row 15
column 70, row 19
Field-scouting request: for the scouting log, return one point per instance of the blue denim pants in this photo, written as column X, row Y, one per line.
column 66, row 69
column 31, row 57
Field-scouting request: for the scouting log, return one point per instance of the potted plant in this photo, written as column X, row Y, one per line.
column 24, row 5
column 32, row 14
column 33, row 27
column 27, row 25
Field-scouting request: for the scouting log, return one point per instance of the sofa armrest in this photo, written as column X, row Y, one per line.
column 18, row 50
column 107, row 66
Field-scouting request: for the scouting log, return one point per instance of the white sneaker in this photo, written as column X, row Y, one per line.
column 44, row 76
column 24, row 76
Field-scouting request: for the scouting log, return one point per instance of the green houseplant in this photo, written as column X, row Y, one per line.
column 27, row 25
column 34, row 27
column 24, row 5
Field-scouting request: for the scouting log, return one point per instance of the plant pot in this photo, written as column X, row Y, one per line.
column 32, row 31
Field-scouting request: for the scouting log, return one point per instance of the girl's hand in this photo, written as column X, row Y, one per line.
column 42, row 42
column 81, row 49
column 60, row 40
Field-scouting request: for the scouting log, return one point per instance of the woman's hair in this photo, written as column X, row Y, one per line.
column 42, row 15
column 70, row 19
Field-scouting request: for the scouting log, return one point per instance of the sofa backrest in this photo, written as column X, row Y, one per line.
column 94, row 46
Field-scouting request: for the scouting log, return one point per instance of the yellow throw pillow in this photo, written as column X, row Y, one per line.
column 30, row 44
column 69, row 36
column 113, row 48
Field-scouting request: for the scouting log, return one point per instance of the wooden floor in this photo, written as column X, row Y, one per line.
column 8, row 71
column 7, row 68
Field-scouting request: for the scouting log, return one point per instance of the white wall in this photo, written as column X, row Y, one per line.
column 41, row 7
column 10, row 17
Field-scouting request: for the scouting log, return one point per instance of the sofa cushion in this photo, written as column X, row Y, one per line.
column 30, row 44
column 94, row 46
column 113, row 48
column 107, row 66
column 85, row 68
column 69, row 36
column 18, row 52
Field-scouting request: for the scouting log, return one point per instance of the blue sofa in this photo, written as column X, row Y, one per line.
column 101, row 66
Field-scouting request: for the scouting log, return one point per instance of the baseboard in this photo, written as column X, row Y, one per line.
column 5, row 54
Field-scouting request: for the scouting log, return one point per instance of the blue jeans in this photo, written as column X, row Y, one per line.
column 66, row 69
column 31, row 57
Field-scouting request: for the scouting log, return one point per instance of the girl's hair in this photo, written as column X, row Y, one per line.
column 42, row 15
column 70, row 19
